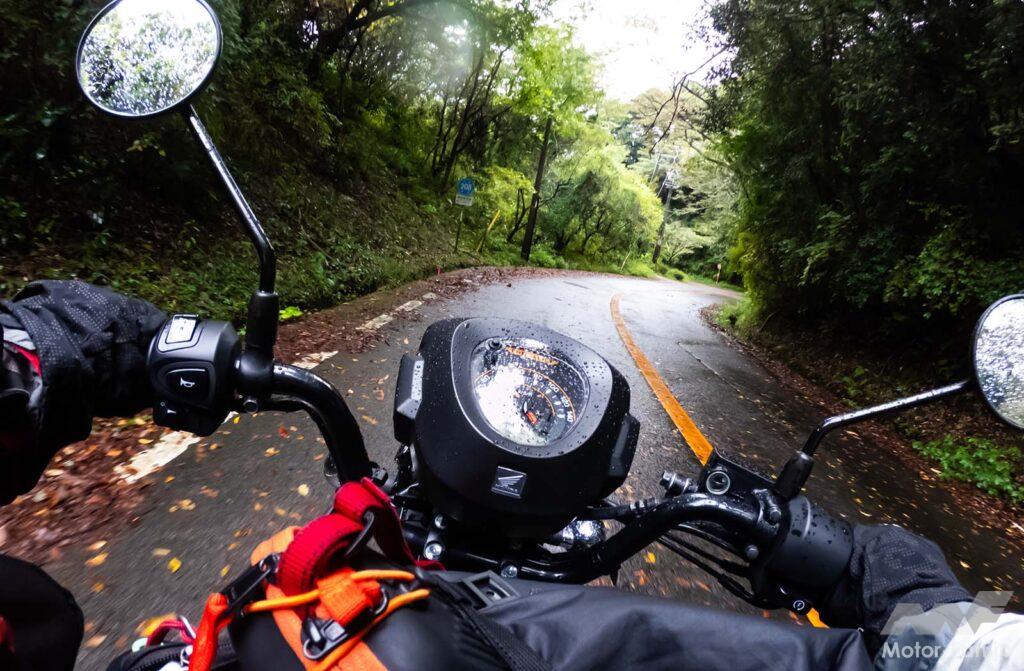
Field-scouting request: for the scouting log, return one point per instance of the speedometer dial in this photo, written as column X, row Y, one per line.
column 526, row 391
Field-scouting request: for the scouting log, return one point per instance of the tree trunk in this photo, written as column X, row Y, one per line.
column 661, row 230
column 520, row 214
column 531, row 222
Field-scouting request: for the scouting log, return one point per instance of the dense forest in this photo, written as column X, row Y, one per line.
column 348, row 123
column 855, row 161
column 879, row 152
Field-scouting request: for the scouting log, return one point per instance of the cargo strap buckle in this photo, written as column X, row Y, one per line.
column 319, row 636
column 242, row 590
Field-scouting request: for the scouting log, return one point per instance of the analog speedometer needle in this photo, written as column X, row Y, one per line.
column 527, row 413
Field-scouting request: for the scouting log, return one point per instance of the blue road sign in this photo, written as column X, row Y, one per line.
column 464, row 192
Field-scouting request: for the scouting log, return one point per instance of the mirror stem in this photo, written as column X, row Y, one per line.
column 796, row 471
column 264, row 250
column 882, row 410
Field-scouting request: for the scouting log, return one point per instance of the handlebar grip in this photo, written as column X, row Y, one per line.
column 814, row 549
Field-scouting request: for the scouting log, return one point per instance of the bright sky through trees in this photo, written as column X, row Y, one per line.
column 641, row 43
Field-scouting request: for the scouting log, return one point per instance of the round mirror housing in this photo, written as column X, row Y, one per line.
column 999, row 358
column 140, row 58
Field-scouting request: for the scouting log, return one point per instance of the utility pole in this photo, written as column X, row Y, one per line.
column 531, row 221
column 670, row 185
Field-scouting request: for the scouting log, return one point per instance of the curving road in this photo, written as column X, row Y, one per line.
column 209, row 507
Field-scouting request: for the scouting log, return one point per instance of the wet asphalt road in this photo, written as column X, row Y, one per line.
column 212, row 505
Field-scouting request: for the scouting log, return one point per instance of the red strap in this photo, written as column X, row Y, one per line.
column 310, row 552
column 6, row 636
column 205, row 648
column 167, row 626
column 32, row 357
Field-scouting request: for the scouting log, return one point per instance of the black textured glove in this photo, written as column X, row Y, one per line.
column 92, row 345
column 889, row 566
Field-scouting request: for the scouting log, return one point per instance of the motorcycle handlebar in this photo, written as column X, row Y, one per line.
column 606, row 557
column 297, row 388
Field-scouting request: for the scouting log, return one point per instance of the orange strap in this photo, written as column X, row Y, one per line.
column 345, row 598
column 328, row 663
column 344, row 595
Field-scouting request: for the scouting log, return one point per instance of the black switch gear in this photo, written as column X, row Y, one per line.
column 191, row 385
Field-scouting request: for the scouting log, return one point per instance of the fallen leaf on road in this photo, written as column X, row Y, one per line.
column 174, row 564
column 161, row 552
column 237, row 419
column 283, row 432
column 145, row 441
column 97, row 545
column 371, row 420
column 97, row 587
column 303, row 489
column 97, row 560
column 651, row 559
column 271, row 451
column 224, row 571
column 95, row 641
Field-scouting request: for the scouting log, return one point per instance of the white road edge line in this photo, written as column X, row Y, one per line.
column 409, row 306
column 313, row 360
column 376, row 323
column 162, row 453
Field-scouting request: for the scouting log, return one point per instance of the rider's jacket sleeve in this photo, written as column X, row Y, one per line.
column 20, row 395
column 965, row 636
column 90, row 344
column 891, row 571
column 20, row 384
column 577, row 628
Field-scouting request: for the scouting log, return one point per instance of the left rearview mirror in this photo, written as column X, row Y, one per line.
column 140, row 58
column 999, row 358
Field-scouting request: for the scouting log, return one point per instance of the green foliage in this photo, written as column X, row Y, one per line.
column 637, row 268
column 347, row 147
column 982, row 462
column 877, row 150
column 740, row 315
column 546, row 258
column 290, row 312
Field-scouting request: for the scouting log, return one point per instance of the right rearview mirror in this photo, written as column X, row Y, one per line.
column 999, row 358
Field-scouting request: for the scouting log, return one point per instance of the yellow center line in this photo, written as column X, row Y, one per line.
column 691, row 434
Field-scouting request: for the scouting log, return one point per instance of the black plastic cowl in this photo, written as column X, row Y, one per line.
column 461, row 461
